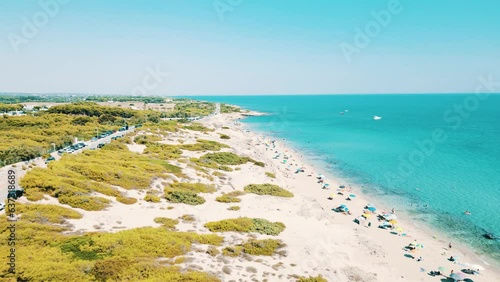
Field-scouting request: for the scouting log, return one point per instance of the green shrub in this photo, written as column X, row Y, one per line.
column 230, row 197
column 225, row 168
column 224, row 136
column 44, row 213
column 224, row 158
column 204, row 145
column 270, row 175
column 184, row 197
column 187, row 218
column 263, row 226
column 318, row 278
column 126, row 200
column 167, row 222
column 268, row 189
column 146, row 139
column 225, row 127
column 261, row 164
column 213, row 251
column 193, row 187
column 245, row 224
column 234, row 208
column 163, row 151
column 152, row 198
column 266, row 247
column 227, row 199
column 87, row 203
column 218, row 174
column 232, row 251
column 197, row 127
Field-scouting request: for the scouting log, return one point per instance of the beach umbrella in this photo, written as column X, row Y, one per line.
column 399, row 229
column 352, row 196
column 341, row 186
column 343, row 206
column 326, row 184
column 321, row 176
column 367, row 215
column 393, row 222
column 372, row 209
column 457, row 276
column 442, row 269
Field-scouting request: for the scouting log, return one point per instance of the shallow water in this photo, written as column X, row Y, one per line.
column 426, row 155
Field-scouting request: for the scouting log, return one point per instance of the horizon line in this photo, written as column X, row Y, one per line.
column 253, row 94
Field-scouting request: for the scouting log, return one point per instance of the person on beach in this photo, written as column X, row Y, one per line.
column 393, row 211
column 449, row 245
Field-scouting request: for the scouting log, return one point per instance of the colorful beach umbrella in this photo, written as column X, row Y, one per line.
column 341, row 186
column 393, row 222
column 442, row 269
column 352, row 195
column 366, row 215
column 372, row 209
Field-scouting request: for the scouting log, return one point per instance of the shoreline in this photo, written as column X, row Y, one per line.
column 422, row 230
column 426, row 228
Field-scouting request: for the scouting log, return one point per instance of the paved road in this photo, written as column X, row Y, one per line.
column 40, row 163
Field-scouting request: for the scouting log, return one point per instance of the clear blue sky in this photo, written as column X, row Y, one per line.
column 256, row 47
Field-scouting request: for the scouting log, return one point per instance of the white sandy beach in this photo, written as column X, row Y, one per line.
column 319, row 240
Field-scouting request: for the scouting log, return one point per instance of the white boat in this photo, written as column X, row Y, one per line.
column 377, row 117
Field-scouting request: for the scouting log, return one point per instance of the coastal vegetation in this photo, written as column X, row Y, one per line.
column 27, row 137
column 167, row 222
column 318, row 278
column 125, row 255
column 45, row 213
column 245, row 224
column 152, row 198
column 266, row 247
column 222, row 160
column 73, row 178
column 225, row 108
column 268, row 189
column 270, row 174
column 187, row 193
column 32, row 135
column 231, row 197
column 233, row 208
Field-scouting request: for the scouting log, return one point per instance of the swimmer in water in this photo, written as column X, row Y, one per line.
column 467, row 212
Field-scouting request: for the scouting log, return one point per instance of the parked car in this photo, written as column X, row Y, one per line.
column 49, row 159
column 15, row 194
column 100, row 145
column 94, row 139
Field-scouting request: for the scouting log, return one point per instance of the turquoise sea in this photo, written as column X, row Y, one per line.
column 433, row 156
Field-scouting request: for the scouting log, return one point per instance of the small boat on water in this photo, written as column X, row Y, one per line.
column 490, row 236
column 377, row 117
